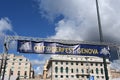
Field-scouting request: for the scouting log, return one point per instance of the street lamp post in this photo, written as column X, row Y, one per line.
column 1, row 65
column 5, row 60
column 101, row 40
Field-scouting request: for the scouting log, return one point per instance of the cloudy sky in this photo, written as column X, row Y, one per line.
column 58, row 19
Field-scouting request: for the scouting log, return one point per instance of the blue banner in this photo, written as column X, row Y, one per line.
column 59, row 48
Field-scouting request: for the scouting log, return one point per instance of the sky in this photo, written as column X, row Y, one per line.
column 58, row 19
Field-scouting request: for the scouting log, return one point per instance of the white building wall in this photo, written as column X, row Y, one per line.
column 72, row 64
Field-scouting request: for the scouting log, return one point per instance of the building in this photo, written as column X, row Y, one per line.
column 71, row 67
column 115, row 73
column 17, row 66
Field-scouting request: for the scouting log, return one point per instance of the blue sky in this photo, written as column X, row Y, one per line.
column 59, row 19
column 25, row 18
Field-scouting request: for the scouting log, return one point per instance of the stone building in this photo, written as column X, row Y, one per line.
column 115, row 73
column 71, row 67
column 17, row 66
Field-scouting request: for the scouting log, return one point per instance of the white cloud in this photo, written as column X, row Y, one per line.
column 79, row 18
column 38, row 65
column 37, row 62
column 115, row 65
column 5, row 24
column 39, row 69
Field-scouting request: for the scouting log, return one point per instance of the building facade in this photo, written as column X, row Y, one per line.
column 64, row 67
column 17, row 66
column 115, row 73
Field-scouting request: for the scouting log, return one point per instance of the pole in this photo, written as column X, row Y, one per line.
column 101, row 40
column 5, row 60
column 99, row 22
column 1, row 65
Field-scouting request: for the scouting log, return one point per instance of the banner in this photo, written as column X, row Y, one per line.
column 66, row 49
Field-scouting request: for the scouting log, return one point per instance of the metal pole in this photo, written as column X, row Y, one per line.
column 101, row 40
column 1, row 65
column 5, row 55
column 99, row 22
column 5, row 60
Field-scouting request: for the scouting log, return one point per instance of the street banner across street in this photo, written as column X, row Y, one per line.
column 25, row 46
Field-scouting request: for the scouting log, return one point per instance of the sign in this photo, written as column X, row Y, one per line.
column 59, row 48
column 91, row 78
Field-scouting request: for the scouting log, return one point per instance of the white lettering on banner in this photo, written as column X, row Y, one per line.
column 51, row 49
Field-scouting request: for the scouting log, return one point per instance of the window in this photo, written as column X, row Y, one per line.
column 61, row 62
column 25, row 73
column 101, row 70
column 18, row 73
column 77, row 70
column 66, row 69
column 20, row 59
column 81, row 63
column 61, row 69
column 91, row 64
column 56, row 63
column 71, row 70
column 96, row 70
column 56, row 76
column 56, row 69
column 87, row 70
column 97, row 76
column 72, row 76
column 66, row 63
column 66, row 76
column 102, row 77
column 61, row 76
column 92, row 71
column 76, row 63
column 14, row 59
column 77, row 76
column 87, row 76
column 82, row 70
column 82, row 76
column 11, row 72
column 71, row 63
column 19, row 63
column 96, row 64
